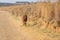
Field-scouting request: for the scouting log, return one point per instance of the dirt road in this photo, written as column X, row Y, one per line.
column 9, row 30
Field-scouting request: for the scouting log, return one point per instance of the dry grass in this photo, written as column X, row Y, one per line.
column 43, row 15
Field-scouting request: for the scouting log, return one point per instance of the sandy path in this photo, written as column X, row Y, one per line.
column 8, row 30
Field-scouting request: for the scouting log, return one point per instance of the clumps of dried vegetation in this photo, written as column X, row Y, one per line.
column 45, row 15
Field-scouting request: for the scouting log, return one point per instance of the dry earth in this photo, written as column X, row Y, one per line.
column 10, row 29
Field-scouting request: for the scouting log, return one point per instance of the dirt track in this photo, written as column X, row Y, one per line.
column 9, row 30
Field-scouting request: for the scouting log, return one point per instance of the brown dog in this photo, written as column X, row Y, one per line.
column 24, row 19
